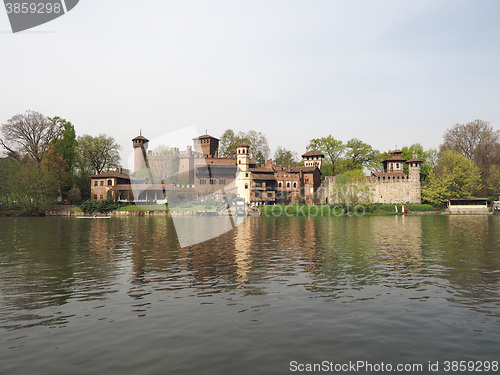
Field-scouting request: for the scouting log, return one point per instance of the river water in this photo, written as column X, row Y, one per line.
column 273, row 296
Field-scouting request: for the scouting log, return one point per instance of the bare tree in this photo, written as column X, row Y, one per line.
column 28, row 134
column 476, row 140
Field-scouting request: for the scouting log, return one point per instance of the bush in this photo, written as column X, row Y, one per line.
column 103, row 207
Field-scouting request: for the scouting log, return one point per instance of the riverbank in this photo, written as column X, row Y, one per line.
column 266, row 211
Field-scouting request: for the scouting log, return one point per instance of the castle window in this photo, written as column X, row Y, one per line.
column 203, row 181
column 295, row 185
column 306, row 181
column 95, row 196
column 222, row 181
column 269, row 195
column 280, row 184
column 102, row 183
column 212, row 182
column 101, row 197
column 397, row 165
column 246, row 186
column 110, row 183
column 95, row 184
column 239, row 161
column 288, row 184
column 246, row 174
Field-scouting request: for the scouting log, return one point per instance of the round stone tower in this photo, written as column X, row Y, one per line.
column 140, row 144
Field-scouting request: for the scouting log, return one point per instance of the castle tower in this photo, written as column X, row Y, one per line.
column 395, row 163
column 207, row 144
column 313, row 158
column 414, row 167
column 243, row 157
column 243, row 174
column 140, row 144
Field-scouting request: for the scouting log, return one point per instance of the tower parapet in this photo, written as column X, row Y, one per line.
column 414, row 168
column 207, row 144
column 313, row 158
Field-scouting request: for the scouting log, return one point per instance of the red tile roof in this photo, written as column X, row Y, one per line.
column 395, row 158
column 111, row 174
column 313, row 153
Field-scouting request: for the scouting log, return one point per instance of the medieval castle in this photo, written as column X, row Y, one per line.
column 200, row 171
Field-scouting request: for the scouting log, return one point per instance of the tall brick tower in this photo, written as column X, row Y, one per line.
column 207, row 144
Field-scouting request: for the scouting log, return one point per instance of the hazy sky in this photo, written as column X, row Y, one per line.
column 387, row 72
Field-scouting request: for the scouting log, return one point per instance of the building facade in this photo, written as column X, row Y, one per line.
column 391, row 186
column 110, row 184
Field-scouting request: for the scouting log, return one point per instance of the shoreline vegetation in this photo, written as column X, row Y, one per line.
column 111, row 208
column 91, row 208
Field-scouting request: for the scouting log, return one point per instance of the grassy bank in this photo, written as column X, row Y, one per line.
column 342, row 210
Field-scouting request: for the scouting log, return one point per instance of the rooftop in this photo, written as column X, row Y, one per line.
column 313, row 153
column 111, row 174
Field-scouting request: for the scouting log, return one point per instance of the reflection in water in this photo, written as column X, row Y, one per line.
column 281, row 281
column 57, row 261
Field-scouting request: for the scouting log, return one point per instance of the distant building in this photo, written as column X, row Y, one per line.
column 112, row 184
column 276, row 184
column 392, row 185
column 468, row 206
column 200, row 172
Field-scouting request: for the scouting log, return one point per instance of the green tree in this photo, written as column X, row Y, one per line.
column 228, row 143
column 417, row 151
column 437, row 191
column 360, row 155
column 493, row 179
column 56, row 172
column 454, row 177
column 65, row 142
column 331, row 147
column 352, row 188
column 285, row 157
column 7, row 177
column 98, row 153
column 259, row 147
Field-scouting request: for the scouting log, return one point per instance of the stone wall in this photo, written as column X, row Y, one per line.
column 397, row 191
column 388, row 191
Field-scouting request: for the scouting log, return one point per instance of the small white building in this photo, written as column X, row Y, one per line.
column 468, row 206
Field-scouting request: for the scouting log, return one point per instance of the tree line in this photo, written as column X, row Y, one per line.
column 466, row 164
column 45, row 162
